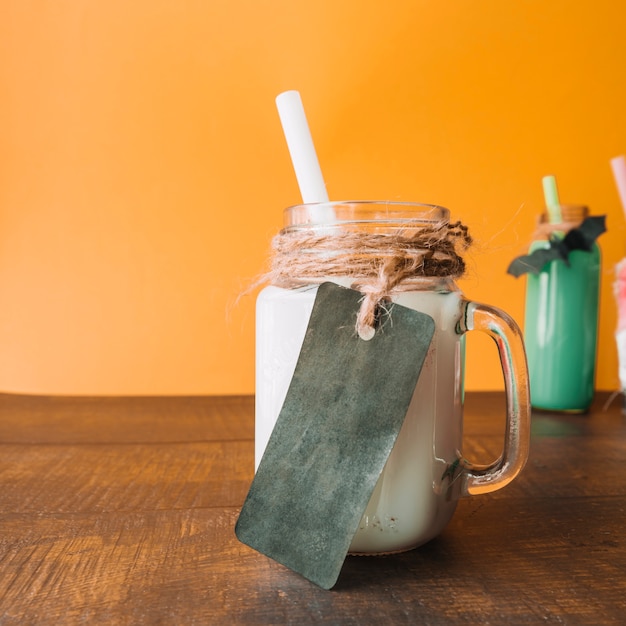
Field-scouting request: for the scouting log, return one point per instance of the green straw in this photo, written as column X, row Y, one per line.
column 551, row 196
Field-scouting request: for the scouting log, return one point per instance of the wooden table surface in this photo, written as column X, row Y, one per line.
column 121, row 511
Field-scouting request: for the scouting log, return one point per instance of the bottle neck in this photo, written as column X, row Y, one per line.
column 572, row 215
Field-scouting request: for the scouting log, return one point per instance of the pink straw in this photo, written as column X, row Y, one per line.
column 618, row 164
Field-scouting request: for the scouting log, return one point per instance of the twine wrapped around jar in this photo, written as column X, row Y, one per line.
column 378, row 261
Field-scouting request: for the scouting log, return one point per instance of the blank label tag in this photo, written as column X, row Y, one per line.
column 341, row 417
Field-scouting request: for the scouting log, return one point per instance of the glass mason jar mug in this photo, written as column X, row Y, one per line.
column 426, row 473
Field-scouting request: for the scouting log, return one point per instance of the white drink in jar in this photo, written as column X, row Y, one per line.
column 410, row 503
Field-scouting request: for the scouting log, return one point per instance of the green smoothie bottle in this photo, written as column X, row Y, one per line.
column 561, row 320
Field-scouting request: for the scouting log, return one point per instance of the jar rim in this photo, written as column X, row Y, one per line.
column 345, row 212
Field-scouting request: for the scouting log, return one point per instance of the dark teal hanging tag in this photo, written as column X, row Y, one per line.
column 342, row 414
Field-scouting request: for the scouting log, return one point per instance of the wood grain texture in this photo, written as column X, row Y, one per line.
column 124, row 477
column 127, row 518
column 68, row 419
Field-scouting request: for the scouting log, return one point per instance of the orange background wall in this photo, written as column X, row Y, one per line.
column 143, row 169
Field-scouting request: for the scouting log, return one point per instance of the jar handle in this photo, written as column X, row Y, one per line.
column 506, row 333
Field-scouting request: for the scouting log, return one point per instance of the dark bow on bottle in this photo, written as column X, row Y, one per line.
column 580, row 238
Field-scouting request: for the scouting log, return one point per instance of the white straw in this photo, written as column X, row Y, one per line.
column 618, row 164
column 301, row 149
